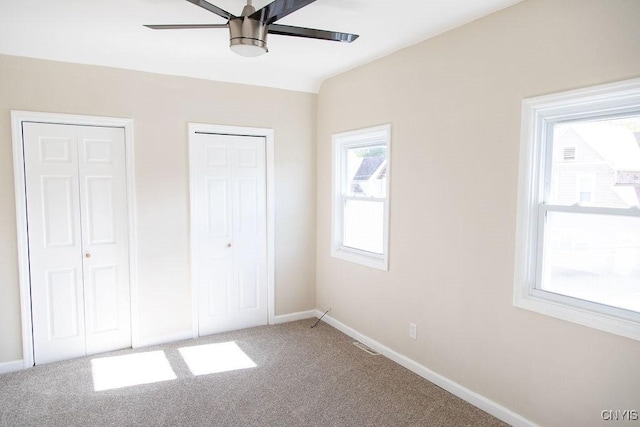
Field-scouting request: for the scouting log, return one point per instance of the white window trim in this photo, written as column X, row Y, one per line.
column 538, row 117
column 361, row 137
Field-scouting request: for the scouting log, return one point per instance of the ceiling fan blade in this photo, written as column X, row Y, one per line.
column 278, row 9
column 211, row 8
column 288, row 30
column 185, row 26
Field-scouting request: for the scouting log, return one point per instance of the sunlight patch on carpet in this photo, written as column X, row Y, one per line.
column 131, row 369
column 213, row 358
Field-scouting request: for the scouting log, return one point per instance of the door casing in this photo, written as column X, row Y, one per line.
column 17, row 118
column 268, row 134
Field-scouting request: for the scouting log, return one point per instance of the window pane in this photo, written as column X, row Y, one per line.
column 594, row 258
column 364, row 225
column 596, row 163
column 367, row 171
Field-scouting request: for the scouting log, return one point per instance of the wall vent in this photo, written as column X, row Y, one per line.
column 569, row 153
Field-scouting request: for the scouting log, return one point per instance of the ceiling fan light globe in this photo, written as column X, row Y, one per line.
column 248, row 50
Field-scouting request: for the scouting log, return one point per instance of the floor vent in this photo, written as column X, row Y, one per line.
column 366, row 348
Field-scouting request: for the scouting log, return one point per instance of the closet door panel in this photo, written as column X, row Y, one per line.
column 103, row 198
column 53, row 215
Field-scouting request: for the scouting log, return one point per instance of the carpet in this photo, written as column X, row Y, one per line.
column 282, row 375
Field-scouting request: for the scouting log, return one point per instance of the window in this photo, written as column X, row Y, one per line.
column 360, row 214
column 585, row 188
column 578, row 232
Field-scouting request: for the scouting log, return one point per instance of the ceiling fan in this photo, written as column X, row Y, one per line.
column 249, row 31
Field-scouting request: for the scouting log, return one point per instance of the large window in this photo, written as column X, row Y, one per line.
column 578, row 245
column 360, row 221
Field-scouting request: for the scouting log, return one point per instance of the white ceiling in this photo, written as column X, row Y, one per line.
column 110, row 33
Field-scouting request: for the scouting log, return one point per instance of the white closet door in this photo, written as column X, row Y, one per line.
column 78, row 247
column 103, row 198
column 230, row 259
column 55, row 241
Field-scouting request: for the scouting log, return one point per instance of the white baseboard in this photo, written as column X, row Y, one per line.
column 13, row 366
column 292, row 317
column 452, row 387
column 164, row 339
column 185, row 335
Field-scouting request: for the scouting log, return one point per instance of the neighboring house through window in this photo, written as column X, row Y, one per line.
column 360, row 217
column 578, row 245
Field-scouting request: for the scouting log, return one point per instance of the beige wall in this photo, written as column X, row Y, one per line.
column 454, row 105
column 161, row 106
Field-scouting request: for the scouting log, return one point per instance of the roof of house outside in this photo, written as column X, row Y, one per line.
column 617, row 146
column 368, row 167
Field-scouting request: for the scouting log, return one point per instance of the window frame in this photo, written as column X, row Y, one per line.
column 341, row 142
column 539, row 115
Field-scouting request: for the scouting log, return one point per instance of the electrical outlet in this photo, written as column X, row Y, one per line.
column 413, row 330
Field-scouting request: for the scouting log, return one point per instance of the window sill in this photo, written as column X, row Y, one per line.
column 548, row 304
column 360, row 257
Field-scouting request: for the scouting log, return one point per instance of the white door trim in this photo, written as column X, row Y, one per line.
column 17, row 118
column 269, row 136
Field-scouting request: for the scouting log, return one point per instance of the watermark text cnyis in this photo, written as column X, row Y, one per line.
column 619, row 415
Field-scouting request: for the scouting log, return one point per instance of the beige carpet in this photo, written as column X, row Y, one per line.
column 302, row 377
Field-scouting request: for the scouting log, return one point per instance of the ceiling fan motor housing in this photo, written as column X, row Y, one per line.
column 247, row 31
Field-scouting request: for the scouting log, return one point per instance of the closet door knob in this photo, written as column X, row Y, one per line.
column 87, row 255
column 228, row 245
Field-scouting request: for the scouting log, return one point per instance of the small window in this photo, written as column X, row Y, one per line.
column 585, row 189
column 578, row 246
column 360, row 221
